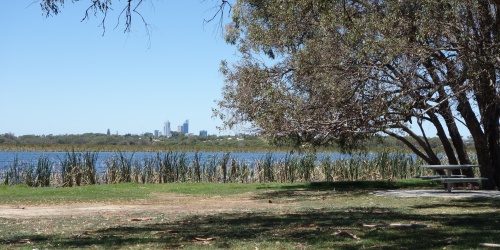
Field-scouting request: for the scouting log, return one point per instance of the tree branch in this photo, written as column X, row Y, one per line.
column 220, row 12
column 409, row 145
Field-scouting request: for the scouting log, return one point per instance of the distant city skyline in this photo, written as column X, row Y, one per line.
column 167, row 130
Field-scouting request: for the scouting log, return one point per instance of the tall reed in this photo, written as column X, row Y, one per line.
column 181, row 167
column 149, row 170
column 327, row 168
column 125, row 166
column 70, row 165
column 89, row 161
column 14, row 173
column 78, row 168
column 235, row 171
column 224, row 161
column 210, row 169
column 34, row 175
column 168, row 167
column 196, row 165
column 112, row 173
column 29, row 174
column 306, row 167
column 291, row 164
column 43, row 172
column 265, row 168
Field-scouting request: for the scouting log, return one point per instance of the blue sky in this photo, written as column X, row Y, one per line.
column 61, row 76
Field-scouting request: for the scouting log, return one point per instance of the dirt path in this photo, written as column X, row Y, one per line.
column 165, row 203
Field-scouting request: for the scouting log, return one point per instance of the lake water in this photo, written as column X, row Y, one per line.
column 24, row 158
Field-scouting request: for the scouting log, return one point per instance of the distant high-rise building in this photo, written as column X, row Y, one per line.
column 157, row 133
column 166, row 129
column 185, row 127
column 203, row 133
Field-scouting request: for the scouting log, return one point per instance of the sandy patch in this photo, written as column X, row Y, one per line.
column 164, row 203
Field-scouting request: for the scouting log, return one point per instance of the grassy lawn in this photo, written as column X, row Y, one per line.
column 248, row 216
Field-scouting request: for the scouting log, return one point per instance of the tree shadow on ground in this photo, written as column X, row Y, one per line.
column 346, row 188
column 474, row 202
column 314, row 229
column 327, row 227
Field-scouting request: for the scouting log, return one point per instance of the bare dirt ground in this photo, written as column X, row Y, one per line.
column 190, row 204
column 165, row 203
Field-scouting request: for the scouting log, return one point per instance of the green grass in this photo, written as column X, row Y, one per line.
column 301, row 216
column 93, row 193
column 127, row 192
column 123, row 192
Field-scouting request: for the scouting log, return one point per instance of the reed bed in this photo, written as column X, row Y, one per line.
column 83, row 168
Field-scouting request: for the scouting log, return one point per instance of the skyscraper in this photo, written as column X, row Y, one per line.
column 185, row 127
column 166, row 129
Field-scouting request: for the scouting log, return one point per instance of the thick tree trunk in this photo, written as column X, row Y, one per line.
column 491, row 123
column 456, row 138
column 487, row 100
column 480, row 142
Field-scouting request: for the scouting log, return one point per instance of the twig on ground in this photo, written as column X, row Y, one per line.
column 140, row 219
column 348, row 233
column 490, row 245
column 397, row 225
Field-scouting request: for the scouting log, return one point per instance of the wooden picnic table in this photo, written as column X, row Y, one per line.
column 449, row 179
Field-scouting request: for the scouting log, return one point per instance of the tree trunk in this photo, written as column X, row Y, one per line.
column 480, row 142
column 491, row 123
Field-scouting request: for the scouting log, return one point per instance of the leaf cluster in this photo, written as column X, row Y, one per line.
column 323, row 72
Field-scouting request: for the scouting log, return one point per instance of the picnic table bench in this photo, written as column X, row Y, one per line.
column 449, row 178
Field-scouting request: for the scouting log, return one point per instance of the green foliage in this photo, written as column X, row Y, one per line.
column 129, row 142
column 345, row 71
column 241, row 143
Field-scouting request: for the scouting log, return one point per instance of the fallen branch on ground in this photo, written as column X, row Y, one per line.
column 139, row 219
column 489, row 245
column 17, row 241
column 348, row 233
column 397, row 225
column 203, row 239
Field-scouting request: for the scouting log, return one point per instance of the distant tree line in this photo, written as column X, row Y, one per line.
column 178, row 139
column 129, row 139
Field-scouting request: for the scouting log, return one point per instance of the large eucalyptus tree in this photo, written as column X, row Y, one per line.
column 318, row 71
